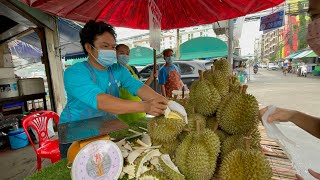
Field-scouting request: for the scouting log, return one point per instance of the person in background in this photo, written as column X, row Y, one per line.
column 123, row 58
column 306, row 122
column 169, row 75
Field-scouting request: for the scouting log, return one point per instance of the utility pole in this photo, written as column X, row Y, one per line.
column 230, row 43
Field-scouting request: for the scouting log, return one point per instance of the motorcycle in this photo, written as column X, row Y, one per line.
column 304, row 71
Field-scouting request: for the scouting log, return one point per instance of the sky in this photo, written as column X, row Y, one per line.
column 250, row 31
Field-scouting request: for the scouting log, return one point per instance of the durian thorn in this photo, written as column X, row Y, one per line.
column 245, row 87
column 212, row 68
column 200, row 75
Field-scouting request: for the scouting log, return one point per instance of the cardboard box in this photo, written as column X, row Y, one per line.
column 6, row 73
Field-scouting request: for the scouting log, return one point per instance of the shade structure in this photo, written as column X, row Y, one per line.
column 134, row 13
column 303, row 54
column 141, row 56
column 203, row 47
column 312, row 55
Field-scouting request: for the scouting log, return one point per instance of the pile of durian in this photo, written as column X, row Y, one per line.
column 220, row 141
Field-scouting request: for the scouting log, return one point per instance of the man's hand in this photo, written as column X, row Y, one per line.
column 280, row 114
column 155, row 107
column 314, row 174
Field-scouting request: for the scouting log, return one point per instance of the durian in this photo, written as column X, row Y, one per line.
column 219, row 80
column 167, row 147
column 164, row 129
column 197, row 155
column 239, row 115
column 169, row 168
column 205, row 97
column 212, row 123
column 234, row 84
column 153, row 175
column 245, row 164
column 223, row 65
column 241, row 142
column 194, row 119
column 222, row 135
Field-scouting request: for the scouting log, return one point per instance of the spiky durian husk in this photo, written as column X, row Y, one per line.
column 186, row 103
column 244, row 165
column 222, row 135
column 197, row 155
column 234, row 85
column 240, row 142
column 192, row 93
column 169, row 168
column 212, row 123
column 220, row 82
column 165, row 129
column 193, row 119
column 206, row 98
column 223, row 65
column 153, row 175
column 239, row 115
column 167, row 147
column 183, row 135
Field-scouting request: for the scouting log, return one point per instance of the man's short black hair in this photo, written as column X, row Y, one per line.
column 119, row 45
column 92, row 29
column 166, row 51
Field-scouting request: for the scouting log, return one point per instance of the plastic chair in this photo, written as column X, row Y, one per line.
column 39, row 122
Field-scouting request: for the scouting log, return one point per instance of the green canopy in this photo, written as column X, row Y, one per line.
column 203, row 47
column 140, row 56
column 312, row 55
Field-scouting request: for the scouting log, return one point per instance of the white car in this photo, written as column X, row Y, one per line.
column 273, row 66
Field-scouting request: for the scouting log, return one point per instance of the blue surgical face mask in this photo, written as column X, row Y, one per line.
column 123, row 59
column 106, row 57
column 170, row 59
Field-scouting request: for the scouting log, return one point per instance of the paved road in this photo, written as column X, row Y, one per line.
column 303, row 94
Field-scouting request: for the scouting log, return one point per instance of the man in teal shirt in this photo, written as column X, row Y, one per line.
column 92, row 86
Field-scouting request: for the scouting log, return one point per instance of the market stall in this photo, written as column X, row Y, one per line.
column 221, row 138
column 216, row 133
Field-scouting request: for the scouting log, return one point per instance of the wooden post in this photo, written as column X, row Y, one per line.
column 154, row 69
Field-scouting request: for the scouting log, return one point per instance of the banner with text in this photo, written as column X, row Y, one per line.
column 272, row 21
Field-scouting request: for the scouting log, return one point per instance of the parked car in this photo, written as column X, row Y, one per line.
column 189, row 70
column 263, row 66
column 273, row 66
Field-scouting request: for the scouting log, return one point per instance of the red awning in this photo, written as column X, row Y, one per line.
column 134, row 13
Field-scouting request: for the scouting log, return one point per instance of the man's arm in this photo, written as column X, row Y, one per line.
column 306, row 122
column 115, row 105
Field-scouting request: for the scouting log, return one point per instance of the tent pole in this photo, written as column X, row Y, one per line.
column 154, row 69
column 230, row 43
column 178, row 45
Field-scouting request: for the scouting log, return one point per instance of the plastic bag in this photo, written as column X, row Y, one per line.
column 290, row 147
